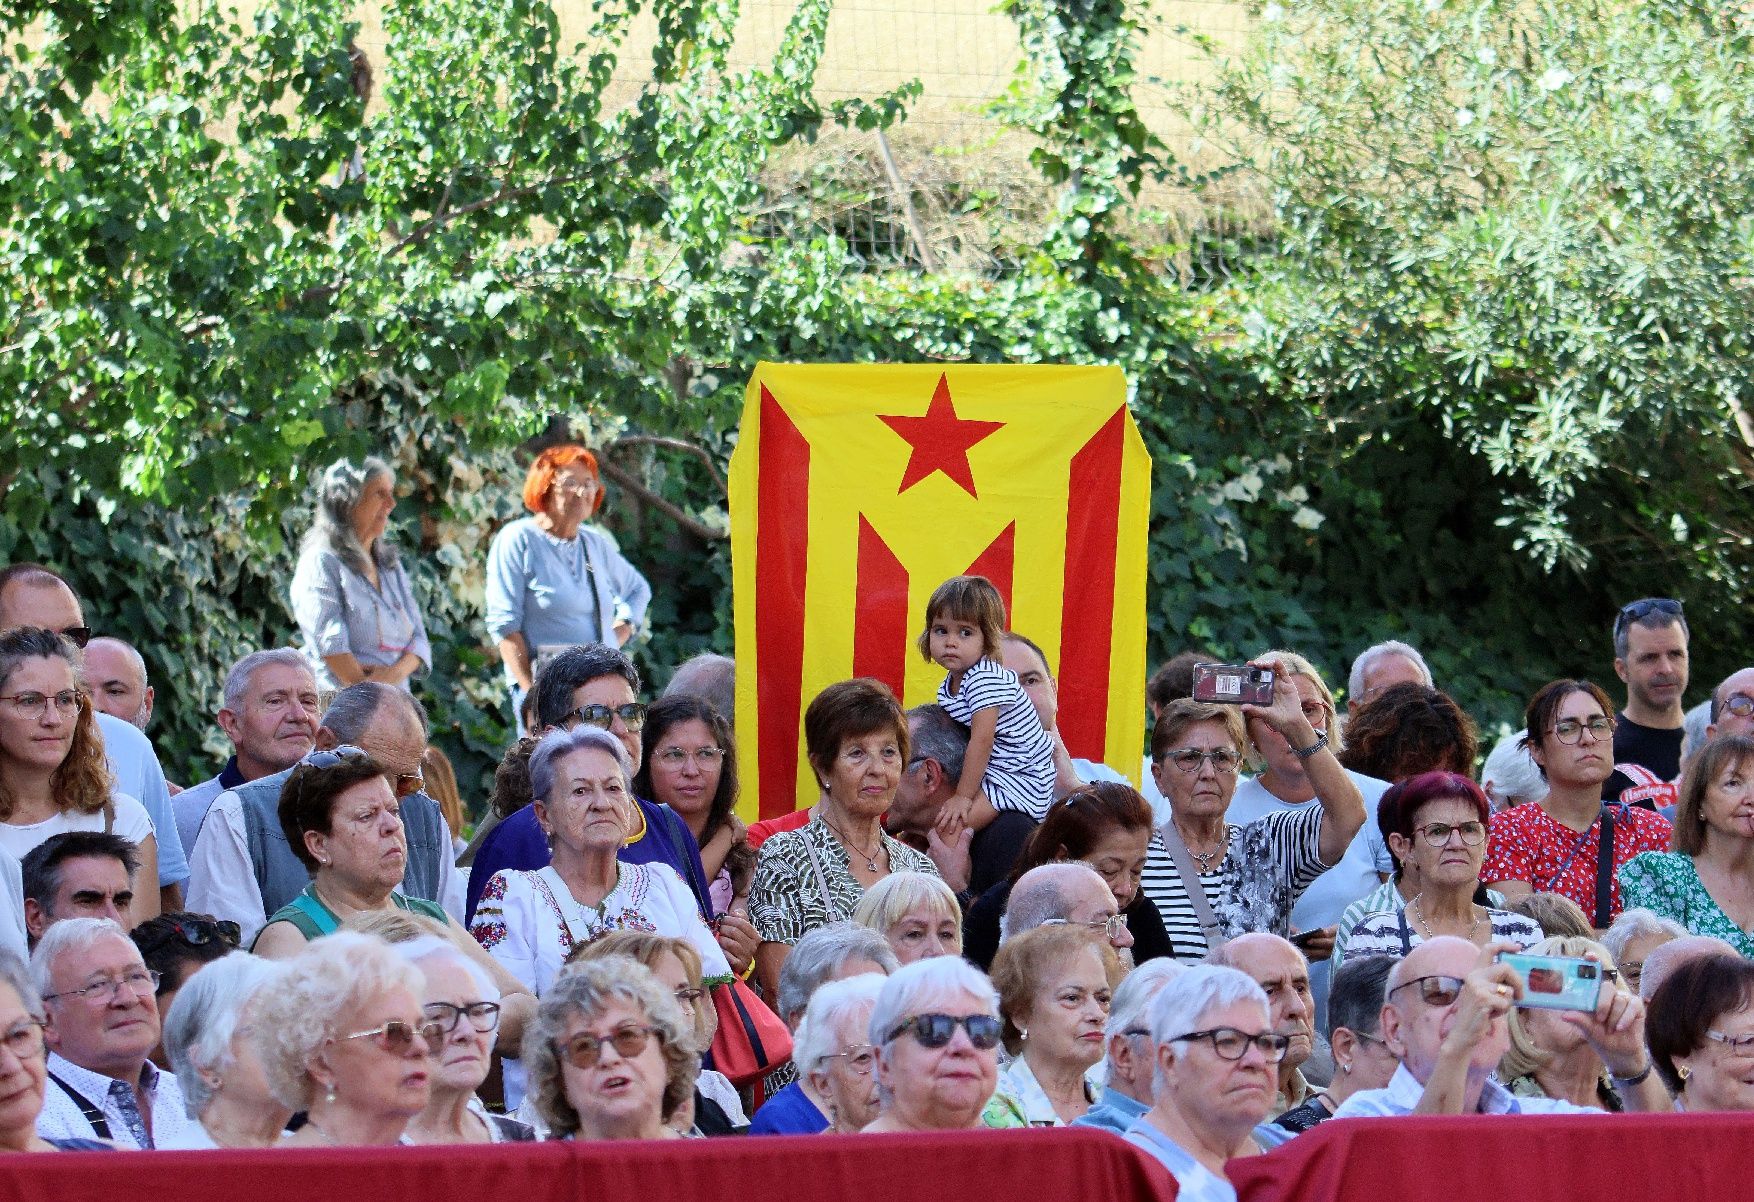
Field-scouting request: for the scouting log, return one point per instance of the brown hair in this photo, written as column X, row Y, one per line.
column 1409, row 729
column 1024, row 962
column 649, row 947
column 307, row 799
column 1538, row 719
column 1176, row 717
column 1702, row 770
column 441, row 786
column 1687, row 1004
column 851, row 709
column 967, row 599
column 1078, row 822
column 82, row 782
column 511, row 780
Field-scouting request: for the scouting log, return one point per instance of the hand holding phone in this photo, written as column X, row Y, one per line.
column 1555, row 982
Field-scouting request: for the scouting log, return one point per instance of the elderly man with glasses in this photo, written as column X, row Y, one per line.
column 1445, row 1017
column 101, row 1021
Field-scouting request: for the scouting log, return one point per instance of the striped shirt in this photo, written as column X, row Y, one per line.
column 1380, row 933
column 1020, row 771
column 1267, row 866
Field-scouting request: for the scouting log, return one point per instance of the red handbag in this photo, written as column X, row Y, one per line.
column 751, row 1040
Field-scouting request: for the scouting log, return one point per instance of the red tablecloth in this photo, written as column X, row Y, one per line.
column 996, row 1166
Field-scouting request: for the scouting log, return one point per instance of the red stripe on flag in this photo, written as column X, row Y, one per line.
column 881, row 632
column 1093, row 506
column 781, row 562
column 996, row 563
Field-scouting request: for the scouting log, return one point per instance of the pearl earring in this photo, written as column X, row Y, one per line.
column 1345, row 1068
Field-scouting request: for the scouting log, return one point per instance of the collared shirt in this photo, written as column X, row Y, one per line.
column 191, row 804
column 1296, row 1094
column 1402, row 1094
column 135, row 766
column 1018, row 1080
column 64, row 1118
column 1194, row 1181
column 1116, row 1112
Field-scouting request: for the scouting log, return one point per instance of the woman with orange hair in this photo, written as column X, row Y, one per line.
column 553, row 582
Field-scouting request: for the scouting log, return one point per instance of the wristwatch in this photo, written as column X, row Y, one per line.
column 1303, row 753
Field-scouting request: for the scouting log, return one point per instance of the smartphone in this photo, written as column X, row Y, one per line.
column 1555, row 982
column 1233, row 684
column 1303, row 938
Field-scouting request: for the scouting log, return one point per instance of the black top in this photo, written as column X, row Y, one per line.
column 1658, row 750
column 996, row 848
column 980, row 927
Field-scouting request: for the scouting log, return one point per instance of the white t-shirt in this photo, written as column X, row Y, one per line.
column 131, row 823
column 1353, row 877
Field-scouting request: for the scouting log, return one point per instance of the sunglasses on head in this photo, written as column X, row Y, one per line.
column 936, row 1030
column 1634, row 611
column 196, row 930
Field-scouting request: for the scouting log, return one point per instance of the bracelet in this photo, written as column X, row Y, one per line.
column 1637, row 1079
column 1303, row 753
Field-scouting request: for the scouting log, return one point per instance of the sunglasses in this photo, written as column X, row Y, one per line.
column 585, row 1050
column 396, row 1036
column 195, row 930
column 1634, row 611
column 79, row 636
column 632, row 715
column 936, row 1030
column 1433, row 991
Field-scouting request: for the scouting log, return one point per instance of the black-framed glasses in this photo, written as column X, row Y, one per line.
column 33, row 705
column 442, row 1017
column 1232, row 1044
column 142, row 981
column 1190, row 759
column 1570, row 730
column 861, row 1058
column 196, row 930
column 1433, row 990
column 25, row 1040
column 584, row 1050
column 1437, row 833
column 1634, row 611
column 937, row 1030
column 396, row 1037
column 632, row 715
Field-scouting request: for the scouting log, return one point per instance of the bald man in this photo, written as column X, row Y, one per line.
column 116, row 675
column 1068, row 891
column 1445, row 1018
column 1667, row 957
column 1281, row 971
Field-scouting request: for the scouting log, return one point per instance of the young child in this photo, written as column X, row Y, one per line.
column 1010, row 760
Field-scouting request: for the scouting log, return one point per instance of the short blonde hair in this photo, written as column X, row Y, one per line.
column 1025, row 961
column 649, row 947
column 322, row 988
column 889, row 900
column 1295, row 664
column 1524, row 1057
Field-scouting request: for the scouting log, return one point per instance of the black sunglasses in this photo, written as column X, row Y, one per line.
column 79, row 636
column 936, row 1030
column 196, row 930
column 1634, row 611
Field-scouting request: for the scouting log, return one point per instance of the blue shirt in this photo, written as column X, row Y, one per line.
column 1194, row 1181
column 789, row 1112
column 1116, row 1112
column 138, row 774
column 192, row 804
column 557, row 594
column 518, row 843
column 1401, row 1096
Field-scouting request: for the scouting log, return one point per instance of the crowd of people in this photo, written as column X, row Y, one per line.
column 1304, row 915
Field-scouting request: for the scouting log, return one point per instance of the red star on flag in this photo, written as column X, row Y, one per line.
column 940, row 441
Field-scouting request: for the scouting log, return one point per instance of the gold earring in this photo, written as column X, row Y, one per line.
column 1683, row 1072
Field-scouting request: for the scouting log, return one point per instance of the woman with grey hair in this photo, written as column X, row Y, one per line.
column 350, row 593
column 836, row 1062
column 1510, row 775
column 1636, row 934
column 24, row 1069
column 342, row 1037
column 461, row 1006
column 611, row 1054
column 936, row 1029
column 530, row 921
column 207, row 1040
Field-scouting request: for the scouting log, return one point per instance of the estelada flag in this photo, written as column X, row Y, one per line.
column 857, row 489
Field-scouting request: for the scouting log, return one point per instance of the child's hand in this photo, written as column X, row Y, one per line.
column 953, row 817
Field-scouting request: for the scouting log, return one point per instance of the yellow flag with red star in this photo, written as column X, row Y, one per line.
column 858, row 489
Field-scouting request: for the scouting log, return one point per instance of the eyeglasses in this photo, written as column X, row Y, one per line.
column 1632, row 972
column 675, row 757
column 585, row 1050
column 1633, row 611
column 1437, row 833
column 442, row 1017
column 142, row 981
column 1570, row 730
column 196, row 930
column 861, row 1058
column 25, row 1041
column 1740, row 704
column 688, row 994
column 1189, row 759
column 632, row 715
column 396, row 1036
column 936, row 1030
column 1741, row 1045
column 408, row 783
column 1433, row 991
column 1114, row 926
column 32, row 705
column 1231, row 1044
column 79, row 636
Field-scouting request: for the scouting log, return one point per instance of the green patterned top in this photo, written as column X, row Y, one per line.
column 1667, row 883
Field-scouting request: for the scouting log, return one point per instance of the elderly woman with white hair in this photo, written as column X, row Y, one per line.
column 350, row 593
column 1216, row 1054
column 342, row 1037
column 916, row 913
column 936, row 1028
column 1131, row 1065
column 611, row 1054
column 1636, row 934
column 836, row 1061
column 23, row 1070
column 1510, row 775
column 207, row 1039
column 460, row 1009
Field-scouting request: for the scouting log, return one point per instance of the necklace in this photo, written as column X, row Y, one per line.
column 870, row 857
column 1426, row 927
column 1204, row 858
column 327, row 1138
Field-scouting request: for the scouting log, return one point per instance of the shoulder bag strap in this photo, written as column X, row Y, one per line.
column 92, row 1114
column 1184, row 866
column 816, row 867
column 1605, row 870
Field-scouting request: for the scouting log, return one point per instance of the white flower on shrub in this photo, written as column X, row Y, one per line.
column 1555, row 78
column 1306, row 518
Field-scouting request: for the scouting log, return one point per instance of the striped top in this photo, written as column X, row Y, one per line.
column 1267, row 866
column 1020, row 772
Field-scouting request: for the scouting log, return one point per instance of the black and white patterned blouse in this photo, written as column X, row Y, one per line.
column 787, row 902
